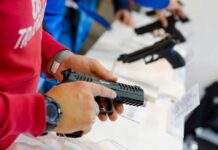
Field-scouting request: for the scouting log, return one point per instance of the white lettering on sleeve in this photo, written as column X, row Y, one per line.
column 26, row 34
column 21, row 33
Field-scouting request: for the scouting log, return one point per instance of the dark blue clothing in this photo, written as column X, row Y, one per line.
column 76, row 26
column 72, row 31
column 121, row 4
column 54, row 15
column 155, row 4
column 59, row 26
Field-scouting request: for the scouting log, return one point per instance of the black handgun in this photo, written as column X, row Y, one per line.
column 161, row 49
column 171, row 28
column 126, row 94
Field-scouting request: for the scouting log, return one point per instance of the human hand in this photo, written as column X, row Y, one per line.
column 124, row 16
column 91, row 67
column 84, row 65
column 79, row 108
column 175, row 8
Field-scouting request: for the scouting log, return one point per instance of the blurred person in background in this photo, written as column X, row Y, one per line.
column 162, row 7
column 71, row 26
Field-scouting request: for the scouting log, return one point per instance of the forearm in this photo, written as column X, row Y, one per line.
column 21, row 113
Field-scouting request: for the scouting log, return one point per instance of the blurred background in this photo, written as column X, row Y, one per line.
column 202, row 70
column 204, row 67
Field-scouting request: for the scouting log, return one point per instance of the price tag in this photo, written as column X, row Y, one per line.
column 181, row 109
column 134, row 114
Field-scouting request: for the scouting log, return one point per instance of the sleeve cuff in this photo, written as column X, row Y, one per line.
column 50, row 48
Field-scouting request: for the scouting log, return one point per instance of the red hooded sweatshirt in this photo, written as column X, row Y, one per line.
column 25, row 51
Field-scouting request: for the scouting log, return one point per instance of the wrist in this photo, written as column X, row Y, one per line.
column 53, row 113
column 56, row 61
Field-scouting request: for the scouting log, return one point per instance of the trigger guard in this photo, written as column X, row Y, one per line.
column 105, row 105
column 150, row 60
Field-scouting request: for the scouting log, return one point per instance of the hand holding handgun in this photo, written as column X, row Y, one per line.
column 174, row 8
column 171, row 28
column 126, row 94
column 161, row 49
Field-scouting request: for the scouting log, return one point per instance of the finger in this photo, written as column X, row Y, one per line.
column 114, row 116
column 99, row 90
column 102, row 117
column 162, row 17
column 101, row 71
column 58, row 74
column 97, row 110
column 131, row 22
column 125, row 19
column 119, row 108
column 175, row 13
column 164, row 21
column 128, row 20
column 181, row 12
column 118, row 16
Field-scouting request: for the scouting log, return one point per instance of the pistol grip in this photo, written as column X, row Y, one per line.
column 179, row 37
column 175, row 59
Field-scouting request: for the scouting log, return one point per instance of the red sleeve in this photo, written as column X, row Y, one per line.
column 21, row 113
column 50, row 48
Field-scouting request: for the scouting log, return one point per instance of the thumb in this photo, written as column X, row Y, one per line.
column 163, row 20
column 119, row 15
